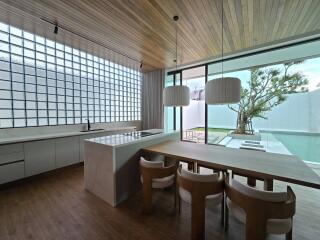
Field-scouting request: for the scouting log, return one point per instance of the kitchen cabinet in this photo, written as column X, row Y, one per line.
column 67, row 151
column 39, row 156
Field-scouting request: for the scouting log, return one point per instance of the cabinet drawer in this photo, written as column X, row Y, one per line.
column 11, row 172
column 11, row 153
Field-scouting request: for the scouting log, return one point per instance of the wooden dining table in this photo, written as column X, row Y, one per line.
column 253, row 164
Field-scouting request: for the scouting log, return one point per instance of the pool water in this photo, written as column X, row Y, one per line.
column 304, row 145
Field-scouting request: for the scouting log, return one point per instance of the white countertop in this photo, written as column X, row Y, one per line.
column 123, row 139
column 58, row 135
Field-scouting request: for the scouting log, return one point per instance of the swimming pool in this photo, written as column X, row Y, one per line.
column 304, row 145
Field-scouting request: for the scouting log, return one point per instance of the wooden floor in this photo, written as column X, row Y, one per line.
column 56, row 206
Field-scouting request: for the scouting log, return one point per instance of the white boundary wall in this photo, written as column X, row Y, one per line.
column 299, row 113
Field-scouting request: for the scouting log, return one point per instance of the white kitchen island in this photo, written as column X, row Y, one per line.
column 111, row 163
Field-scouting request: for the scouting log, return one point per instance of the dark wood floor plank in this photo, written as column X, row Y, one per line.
column 56, row 206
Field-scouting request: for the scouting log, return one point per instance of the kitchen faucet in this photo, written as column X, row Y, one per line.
column 88, row 124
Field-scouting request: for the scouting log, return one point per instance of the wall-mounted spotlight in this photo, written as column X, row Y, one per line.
column 56, row 29
column 141, row 64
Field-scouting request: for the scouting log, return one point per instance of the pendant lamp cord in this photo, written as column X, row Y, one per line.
column 222, row 36
column 176, row 45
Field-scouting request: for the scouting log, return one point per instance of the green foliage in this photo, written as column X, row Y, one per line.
column 268, row 87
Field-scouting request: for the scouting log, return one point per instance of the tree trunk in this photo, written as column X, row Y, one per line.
column 241, row 128
column 241, row 123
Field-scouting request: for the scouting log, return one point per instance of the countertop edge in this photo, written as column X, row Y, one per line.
column 58, row 135
column 135, row 141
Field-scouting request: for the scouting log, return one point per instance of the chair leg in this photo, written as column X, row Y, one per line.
column 289, row 235
column 179, row 204
column 226, row 216
column 175, row 196
column 147, row 196
column 198, row 219
column 222, row 210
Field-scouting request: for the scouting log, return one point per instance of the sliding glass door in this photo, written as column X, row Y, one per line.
column 278, row 111
column 193, row 116
column 172, row 114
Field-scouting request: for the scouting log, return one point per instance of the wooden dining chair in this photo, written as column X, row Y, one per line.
column 154, row 175
column 197, row 190
column 261, row 211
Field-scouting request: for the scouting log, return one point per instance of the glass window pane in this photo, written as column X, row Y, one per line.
column 15, row 31
column 4, row 65
column 52, row 121
column 19, row 113
column 4, row 46
column 5, row 85
column 16, row 50
column 4, row 75
column 31, row 113
column 18, row 86
column 31, row 122
column 31, row 105
column 43, row 121
column 18, row 95
column 6, row 123
column 19, row 122
column 5, row 113
column 16, row 68
column 5, row 103
column 28, row 35
column 4, row 27
column 4, row 36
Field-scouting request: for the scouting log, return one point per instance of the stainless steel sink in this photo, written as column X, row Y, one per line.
column 92, row 130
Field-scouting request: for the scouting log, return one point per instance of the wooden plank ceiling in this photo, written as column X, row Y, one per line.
column 145, row 31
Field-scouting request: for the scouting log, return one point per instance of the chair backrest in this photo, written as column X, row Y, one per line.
column 200, row 185
column 265, row 204
column 199, row 177
column 155, row 169
column 151, row 164
column 259, row 194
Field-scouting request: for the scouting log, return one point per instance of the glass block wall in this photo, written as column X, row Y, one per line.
column 43, row 82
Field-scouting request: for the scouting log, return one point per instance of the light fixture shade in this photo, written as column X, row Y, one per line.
column 176, row 96
column 223, row 91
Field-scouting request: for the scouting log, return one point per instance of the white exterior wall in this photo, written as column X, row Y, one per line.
column 300, row 112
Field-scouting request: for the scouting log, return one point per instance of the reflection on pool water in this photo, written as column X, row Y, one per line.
column 304, row 145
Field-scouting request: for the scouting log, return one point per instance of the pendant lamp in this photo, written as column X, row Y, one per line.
column 178, row 95
column 224, row 90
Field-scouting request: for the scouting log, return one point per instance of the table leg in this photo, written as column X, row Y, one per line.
column 252, row 182
column 190, row 166
column 268, row 185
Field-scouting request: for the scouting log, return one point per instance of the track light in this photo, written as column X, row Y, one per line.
column 141, row 64
column 56, row 29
